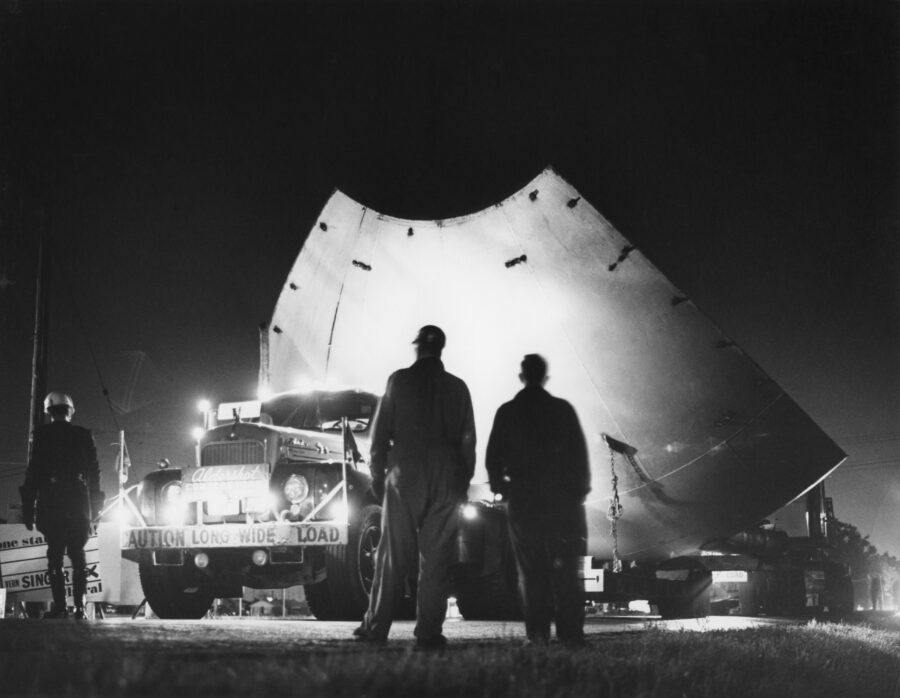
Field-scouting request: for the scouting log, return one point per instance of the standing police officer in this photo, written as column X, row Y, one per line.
column 422, row 458
column 63, row 479
column 537, row 457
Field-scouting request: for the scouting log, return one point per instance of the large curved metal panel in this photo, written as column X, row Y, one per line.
column 717, row 444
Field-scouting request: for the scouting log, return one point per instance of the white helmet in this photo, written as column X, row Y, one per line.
column 58, row 400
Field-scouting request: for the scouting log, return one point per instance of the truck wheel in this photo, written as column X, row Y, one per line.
column 175, row 592
column 344, row 593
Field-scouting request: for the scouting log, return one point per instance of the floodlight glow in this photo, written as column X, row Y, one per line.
column 216, row 501
column 173, row 509
column 639, row 606
column 338, row 511
column 304, row 385
column 260, row 504
column 264, row 394
column 122, row 516
column 469, row 511
column 197, row 433
column 172, row 515
column 203, row 406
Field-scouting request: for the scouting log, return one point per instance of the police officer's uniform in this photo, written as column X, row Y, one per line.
column 537, row 457
column 61, row 494
column 423, row 457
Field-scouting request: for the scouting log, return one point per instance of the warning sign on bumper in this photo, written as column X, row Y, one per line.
column 233, row 536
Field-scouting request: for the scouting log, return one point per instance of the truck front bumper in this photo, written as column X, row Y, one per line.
column 233, row 536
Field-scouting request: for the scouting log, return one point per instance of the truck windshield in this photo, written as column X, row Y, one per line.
column 321, row 411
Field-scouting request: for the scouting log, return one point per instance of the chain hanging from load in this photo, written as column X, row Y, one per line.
column 615, row 512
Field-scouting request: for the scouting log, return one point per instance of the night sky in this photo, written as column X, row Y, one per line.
column 178, row 153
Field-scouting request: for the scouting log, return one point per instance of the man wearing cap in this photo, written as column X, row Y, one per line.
column 537, row 458
column 422, row 459
column 63, row 480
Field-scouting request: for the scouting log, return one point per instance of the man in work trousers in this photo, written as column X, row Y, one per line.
column 63, row 478
column 422, row 458
column 537, row 458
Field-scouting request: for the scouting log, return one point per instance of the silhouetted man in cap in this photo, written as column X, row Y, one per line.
column 61, row 494
column 537, row 458
column 422, row 459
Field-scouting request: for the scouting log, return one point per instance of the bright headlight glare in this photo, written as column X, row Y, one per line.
column 172, row 508
column 172, row 515
column 172, row 493
column 260, row 504
column 296, row 488
column 469, row 511
column 338, row 511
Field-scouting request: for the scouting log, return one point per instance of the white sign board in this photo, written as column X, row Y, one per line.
column 247, row 410
column 233, row 536
column 23, row 564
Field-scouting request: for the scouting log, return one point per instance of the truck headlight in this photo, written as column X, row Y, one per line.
column 469, row 511
column 172, row 508
column 337, row 510
column 296, row 488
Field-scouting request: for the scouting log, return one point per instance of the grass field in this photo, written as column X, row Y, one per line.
column 819, row 659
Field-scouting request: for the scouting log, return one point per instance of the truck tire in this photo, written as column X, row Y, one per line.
column 175, row 592
column 349, row 570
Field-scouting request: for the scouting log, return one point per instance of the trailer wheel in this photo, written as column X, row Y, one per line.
column 175, row 592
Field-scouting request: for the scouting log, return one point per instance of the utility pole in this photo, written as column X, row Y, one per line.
column 39, row 347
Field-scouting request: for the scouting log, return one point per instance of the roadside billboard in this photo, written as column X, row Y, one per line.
column 23, row 565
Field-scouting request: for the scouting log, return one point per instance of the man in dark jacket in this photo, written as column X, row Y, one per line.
column 61, row 495
column 537, row 458
column 422, row 459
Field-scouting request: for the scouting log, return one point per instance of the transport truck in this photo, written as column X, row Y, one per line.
column 691, row 443
column 279, row 496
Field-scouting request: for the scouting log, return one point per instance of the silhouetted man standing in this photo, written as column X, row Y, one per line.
column 63, row 478
column 537, row 458
column 422, row 459
column 875, row 591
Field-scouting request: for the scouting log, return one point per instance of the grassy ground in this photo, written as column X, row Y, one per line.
column 819, row 659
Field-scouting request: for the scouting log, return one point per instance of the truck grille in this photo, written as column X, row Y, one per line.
column 234, row 453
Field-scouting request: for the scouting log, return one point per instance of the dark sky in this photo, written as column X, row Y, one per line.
column 179, row 153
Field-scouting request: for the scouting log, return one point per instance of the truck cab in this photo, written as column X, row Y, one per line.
column 279, row 496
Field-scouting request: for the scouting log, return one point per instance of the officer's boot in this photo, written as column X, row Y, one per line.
column 58, row 589
column 79, row 591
